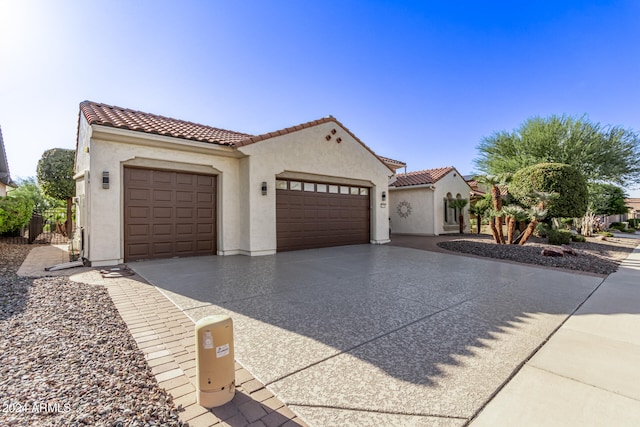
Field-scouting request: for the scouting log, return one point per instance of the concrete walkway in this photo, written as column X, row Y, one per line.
column 588, row 373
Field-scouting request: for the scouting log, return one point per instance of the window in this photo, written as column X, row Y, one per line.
column 295, row 185
column 322, row 188
column 364, row 191
column 355, row 191
column 309, row 186
column 333, row 189
column 344, row 190
column 281, row 185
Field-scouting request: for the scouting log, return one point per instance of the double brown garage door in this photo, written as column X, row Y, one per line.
column 317, row 215
column 168, row 214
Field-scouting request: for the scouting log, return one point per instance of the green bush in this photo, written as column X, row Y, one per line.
column 559, row 237
column 605, row 233
column 556, row 178
column 634, row 222
column 15, row 213
column 617, row 226
column 578, row 238
column 628, row 230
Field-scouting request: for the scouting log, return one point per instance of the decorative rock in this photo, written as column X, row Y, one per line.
column 568, row 250
column 552, row 252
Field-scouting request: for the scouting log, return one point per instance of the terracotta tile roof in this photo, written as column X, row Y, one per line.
column 124, row 118
column 393, row 162
column 633, row 204
column 428, row 176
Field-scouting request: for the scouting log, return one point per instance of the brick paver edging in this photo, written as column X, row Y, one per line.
column 166, row 336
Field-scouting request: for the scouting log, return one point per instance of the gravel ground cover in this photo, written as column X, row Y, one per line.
column 67, row 357
column 594, row 256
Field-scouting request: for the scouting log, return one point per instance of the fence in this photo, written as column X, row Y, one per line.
column 45, row 228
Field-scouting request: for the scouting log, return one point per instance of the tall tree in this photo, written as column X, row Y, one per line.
column 607, row 199
column 600, row 153
column 55, row 176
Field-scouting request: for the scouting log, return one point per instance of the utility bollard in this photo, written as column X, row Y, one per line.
column 215, row 367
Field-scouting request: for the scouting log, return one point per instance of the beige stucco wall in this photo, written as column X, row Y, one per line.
column 420, row 220
column 246, row 218
column 427, row 202
column 3, row 189
column 111, row 150
column 307, row 153
column 455, row 184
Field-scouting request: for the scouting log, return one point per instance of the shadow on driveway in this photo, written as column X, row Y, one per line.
column 376, row 331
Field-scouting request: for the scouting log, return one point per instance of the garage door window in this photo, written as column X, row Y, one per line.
column 281, row 185
column 309, row 186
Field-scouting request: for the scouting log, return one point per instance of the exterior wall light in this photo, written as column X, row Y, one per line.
column 264, row 188
column 384, row 196
column 105, row 179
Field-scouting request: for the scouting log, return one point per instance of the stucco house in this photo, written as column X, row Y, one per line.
column 149, row 186
column 419, row 202
column 5, row 176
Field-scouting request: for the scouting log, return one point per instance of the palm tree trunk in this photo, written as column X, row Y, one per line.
column 528, row 232
column 494, row 230
column 511, row 228
column 479, row 222
column 499, row 229
column 461, row 222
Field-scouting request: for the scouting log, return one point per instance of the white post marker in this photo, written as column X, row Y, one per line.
column 215, row 367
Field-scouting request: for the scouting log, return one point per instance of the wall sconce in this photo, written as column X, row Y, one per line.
column 384, row 196
column 105, row 179
column 264, row 188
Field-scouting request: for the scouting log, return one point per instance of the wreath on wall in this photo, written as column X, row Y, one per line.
column 404, row 209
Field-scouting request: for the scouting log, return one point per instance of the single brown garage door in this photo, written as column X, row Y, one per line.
column 317, row 215
column 168, row 214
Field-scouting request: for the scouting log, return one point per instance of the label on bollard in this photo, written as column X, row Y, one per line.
column 222, row 351
column 208, row 341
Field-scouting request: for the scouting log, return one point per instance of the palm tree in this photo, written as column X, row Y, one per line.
column 459, row 204
column 514, row 214
column 479, row 209
column 535, row 215
column 491, row 213
column 495, row 182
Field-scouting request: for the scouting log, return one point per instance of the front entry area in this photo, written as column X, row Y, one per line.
column 317, row 215
column 168, row 214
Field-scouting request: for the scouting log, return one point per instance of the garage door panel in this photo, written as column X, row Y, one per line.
column 332, row 215
column 168, row 214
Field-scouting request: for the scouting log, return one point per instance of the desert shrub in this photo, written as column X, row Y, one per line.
column 605, row 233
column 559, row 237
column 617, row 226
column 15, row 213
column 634, row 222
column 578, row 238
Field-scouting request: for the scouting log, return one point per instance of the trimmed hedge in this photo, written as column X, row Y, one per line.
column 559, row 178
column 559, row 237
column 578, row 238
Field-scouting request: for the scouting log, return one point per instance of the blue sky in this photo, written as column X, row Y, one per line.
column 417, row 81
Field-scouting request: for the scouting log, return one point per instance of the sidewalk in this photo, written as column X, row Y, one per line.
column 166, row 337
column 587, row 374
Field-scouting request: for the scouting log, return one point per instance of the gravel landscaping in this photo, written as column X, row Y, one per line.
column 594, row 256
column 67, row 357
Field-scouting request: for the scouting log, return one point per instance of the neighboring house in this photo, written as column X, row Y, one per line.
column 634, row 208
column 5, row 176
column 419, row 202
column 149, row 186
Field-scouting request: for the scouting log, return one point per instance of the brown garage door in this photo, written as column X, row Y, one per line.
column 316, row 215
column 168, row 214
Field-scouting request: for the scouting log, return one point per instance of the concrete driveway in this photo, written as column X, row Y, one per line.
column 376, row 335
